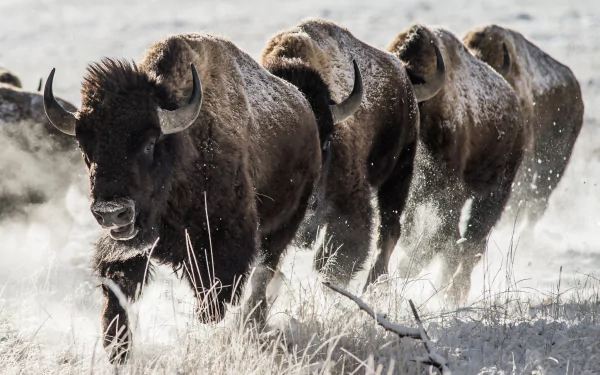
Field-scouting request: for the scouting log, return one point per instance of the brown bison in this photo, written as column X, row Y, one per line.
column 216, row 172
column 371, row 152
column 551, row 106
column 29, row 149
column 471, row 145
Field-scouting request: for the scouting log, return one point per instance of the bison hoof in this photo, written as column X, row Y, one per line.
column 210, row 314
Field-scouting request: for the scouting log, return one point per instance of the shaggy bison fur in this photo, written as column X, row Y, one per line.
column 551, row 106
column 373, row 151
column 470, row 147
column 215, row 183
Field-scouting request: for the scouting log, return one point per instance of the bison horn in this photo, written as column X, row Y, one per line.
column 180, row 119
column 341, row 112
column 62, row 119
column 426, row 91
column 506, row 64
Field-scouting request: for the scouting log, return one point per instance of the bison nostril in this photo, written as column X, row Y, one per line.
column 98, row 217
column 111, row 214
column 123, row 215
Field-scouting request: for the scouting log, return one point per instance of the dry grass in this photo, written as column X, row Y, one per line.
column 311, row 330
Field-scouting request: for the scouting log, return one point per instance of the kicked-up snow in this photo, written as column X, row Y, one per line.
column 533, row 305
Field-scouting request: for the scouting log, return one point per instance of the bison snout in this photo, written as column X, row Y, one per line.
column 113, row 214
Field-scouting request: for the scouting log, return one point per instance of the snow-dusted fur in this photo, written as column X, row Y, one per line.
column 237, row 180
column 37, row 161
column 552, row 108
column 372, row 151
column 471, row 144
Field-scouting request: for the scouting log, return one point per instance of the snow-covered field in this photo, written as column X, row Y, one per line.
column 533, row 307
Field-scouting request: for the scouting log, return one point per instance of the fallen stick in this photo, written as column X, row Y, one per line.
column 433, row 358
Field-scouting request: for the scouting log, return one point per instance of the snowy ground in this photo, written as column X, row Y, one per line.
column 518, row 321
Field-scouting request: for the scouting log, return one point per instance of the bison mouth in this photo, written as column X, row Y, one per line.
column 124, row 232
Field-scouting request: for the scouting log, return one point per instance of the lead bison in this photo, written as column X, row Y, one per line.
column 551, row 106
column 214, row 178
column 471, row 145
column 373, row 151
column 38, row 163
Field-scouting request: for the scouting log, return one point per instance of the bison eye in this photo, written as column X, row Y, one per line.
column 149, row 148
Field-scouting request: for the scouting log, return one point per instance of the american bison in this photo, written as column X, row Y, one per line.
column 37, row 162
column 471, row 145
column 551, row 106
column 373, row 151
column 230, row 161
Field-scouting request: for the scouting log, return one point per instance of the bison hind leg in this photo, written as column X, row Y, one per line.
column 309, row 231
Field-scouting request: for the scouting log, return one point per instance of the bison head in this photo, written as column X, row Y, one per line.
column 418, row 49
column 9, row 78
column 127, row 131
column 489, row 44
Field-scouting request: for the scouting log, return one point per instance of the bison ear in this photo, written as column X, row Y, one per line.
column 506, row 62
column 62, row 119
column 429, row 89
column 180, row 119
column 341, row 112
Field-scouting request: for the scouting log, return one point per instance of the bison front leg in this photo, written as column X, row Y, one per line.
column 485, row 212
column 121, row 283
column 273, row 246
column 221, row 254
column 348, row 236
column 392, row 197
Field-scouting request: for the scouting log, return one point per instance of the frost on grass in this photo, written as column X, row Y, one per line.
column 311, row 330
column 49, row 320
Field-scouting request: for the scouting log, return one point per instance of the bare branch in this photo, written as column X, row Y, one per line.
column 401, row 331
column 433, row 358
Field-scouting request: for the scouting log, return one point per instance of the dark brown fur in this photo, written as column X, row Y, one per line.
column 252, row 156
column 471, row 144
column 552, row 109
column 8, row 78
column 373, row 150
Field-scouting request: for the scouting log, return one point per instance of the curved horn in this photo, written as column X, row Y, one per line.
column 40, row 85
column 180, row 119
column 506, row 64
column 62, row 119
column 341, row 112
column 426, row 91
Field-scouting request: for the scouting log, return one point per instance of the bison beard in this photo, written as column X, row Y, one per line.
column 195, row 183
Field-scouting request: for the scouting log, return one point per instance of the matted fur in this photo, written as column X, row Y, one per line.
column 371, row 151
column 253, row 154
column 552, row 108
column 471, row 144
